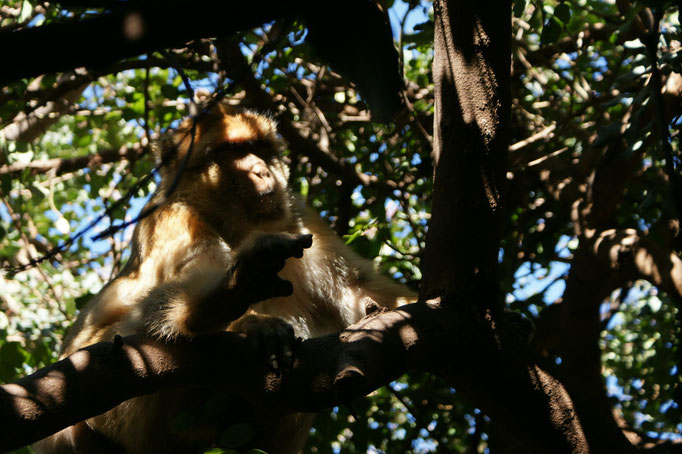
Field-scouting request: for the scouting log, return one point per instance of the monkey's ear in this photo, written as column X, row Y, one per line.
column 165, row 147
column 158, row 145
column 202, row 96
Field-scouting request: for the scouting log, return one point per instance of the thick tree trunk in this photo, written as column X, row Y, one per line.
column 472, row 104
column 471, row 79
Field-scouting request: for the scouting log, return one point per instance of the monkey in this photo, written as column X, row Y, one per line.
column 230, row 238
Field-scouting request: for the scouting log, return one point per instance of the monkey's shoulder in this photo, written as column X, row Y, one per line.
column 174, row 225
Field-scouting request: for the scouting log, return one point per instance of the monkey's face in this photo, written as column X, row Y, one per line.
column 233, row 170
column 251, row 176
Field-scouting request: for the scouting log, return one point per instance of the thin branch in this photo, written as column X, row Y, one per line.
column 45, row 95
column 54, row 251
column 61, row 166
column 545, row 133
column 651, row 41
column 27, row 126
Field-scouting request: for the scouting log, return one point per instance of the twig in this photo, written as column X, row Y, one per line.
column 651, row 40
column 546, row 132
column 27, row 248
column 146, row 106
column 546, row 157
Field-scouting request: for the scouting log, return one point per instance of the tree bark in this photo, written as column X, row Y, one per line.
column 471, row 81
column 465, row 339
column 471, row 77
column 328, row 370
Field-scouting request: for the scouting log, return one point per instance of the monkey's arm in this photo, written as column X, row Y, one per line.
column 252, row 279
column 206, row 297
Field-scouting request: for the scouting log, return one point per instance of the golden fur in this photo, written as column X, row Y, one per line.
column 181, row 254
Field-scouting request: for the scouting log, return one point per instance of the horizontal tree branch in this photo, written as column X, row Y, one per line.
column 44, row 95
column 328, row 371
column 131, row 29
column 66, row 165
column 638, row 257
column 27, row 126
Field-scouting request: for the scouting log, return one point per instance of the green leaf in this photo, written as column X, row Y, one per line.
column 183, row 421
column 7, row 374
column 367, row 248
column 278, row 83
column 237, row 435
column 168, row 117
column 82, row 300
column 70, row 307
column 169, row 91
column 40, row 355
column 353, row 236
column 551, row 31
column 216, row 405
column 128, row 114
column 6, row 184
column 138, row 107
column 563, row 13
column 26, row 11
column 84, row 140
column 519, row 7
column 12, row 354
column 37, row 195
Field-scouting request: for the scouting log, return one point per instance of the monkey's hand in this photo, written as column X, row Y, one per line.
column 270, row 335
column 255, row 276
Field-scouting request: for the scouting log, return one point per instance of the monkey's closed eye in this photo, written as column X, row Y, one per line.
column 248, row 146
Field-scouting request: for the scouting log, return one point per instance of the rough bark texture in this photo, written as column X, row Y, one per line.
column 328, row 371
column 467, row 339
column 471, row 74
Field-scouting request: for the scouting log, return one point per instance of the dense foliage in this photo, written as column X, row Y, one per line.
column 592, row 165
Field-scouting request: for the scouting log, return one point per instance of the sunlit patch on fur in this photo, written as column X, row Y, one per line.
column 186, row 252
column 240, row 132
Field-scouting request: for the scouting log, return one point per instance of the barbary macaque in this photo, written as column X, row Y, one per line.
column 229, row 239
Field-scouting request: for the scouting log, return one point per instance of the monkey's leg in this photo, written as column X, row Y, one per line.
column 270, row 335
